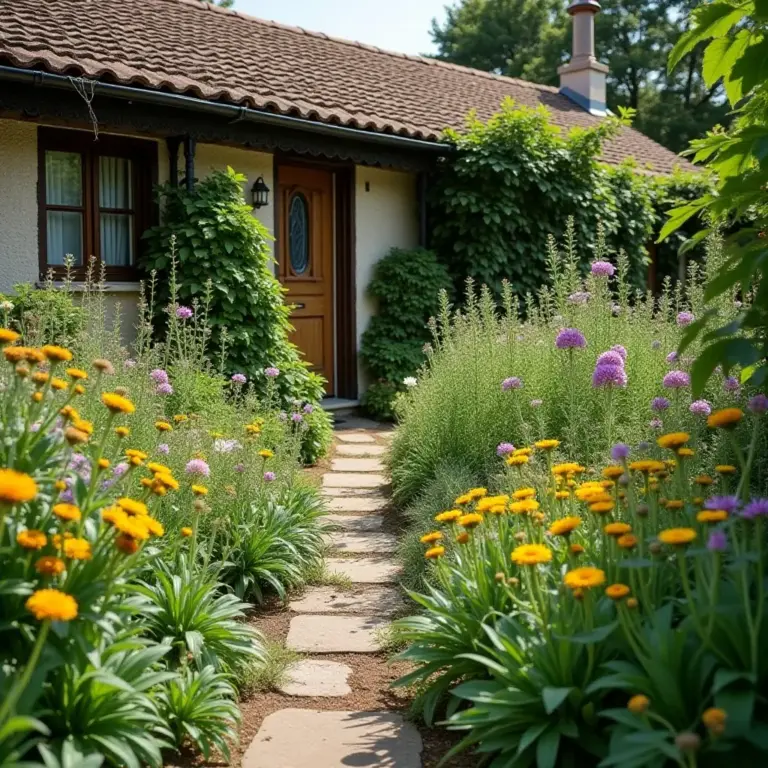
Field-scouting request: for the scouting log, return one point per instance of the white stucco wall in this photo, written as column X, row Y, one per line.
column 386, row 216
column 18, row 203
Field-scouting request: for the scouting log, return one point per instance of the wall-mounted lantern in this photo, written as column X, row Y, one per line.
column 260, row 193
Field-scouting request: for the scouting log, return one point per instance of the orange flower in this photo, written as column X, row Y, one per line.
column 712, row 516
column 584, row 578
column 16, row 487
column 434, row 553
column 617, row 591
column 31, row 539
column 462, row 538
column 68, row 512
column 627, row 541
column 126, row 544
column 186, row 531
column 677, row 536
column 531, row 554
column 77, row 549
column 50, row 566
column 431, row 538
column 564, row 526
column 52, row 605
column 617, row 529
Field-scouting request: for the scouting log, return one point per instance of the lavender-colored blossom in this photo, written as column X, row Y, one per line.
column 717, row 542
column 611, row 357
column 198, row 467
column 163, row 448
column 536, row 403
column 676, row 380
column 308, row 408
column 700, row 408
column 271, row 372
column 297, row 418
column 620, row 350
column 602, row 269
column 660, row 404
column 240, row 467
column 504, row 449
column 656, row 423
column 643, row 446
column 226, row 446
column 755, row 508
column 130, row 363
column 120, row 469
column 269, row 477
column 609, row 376
column 655, row 344
column 580, row 297
column 620, row 452
column 728, row 503
column 184, row 313
column 731, row 384
column 238, row 378
column 758, row 404
column 66, row 496
column 570, row 338
column 511, row 382
column 672, row 357
column 159, row 376
column 685, row 318
column 164, row 389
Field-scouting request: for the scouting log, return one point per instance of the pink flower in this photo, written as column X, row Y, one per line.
column 238, row 378
column 602, row 269
column 512, row 382
column 271, row 372
column 198, row 467
column 269, row 477
column 676, row 380
column 164, row 389
column 184, row 313
column 685, row 318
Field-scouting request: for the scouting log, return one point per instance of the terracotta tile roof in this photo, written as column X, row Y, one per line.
column 188, row 46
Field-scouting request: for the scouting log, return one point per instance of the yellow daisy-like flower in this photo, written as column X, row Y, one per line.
column 685, row 453
column 524, row 493
column 75, row 436
column 56, row 354
column 601, row 507
column 265, row 453
column 179, row 417
column 117, row 403
column 59, row 384
column 449, row 516
column 677, row 536
column 524, row 507
column 647, row 466
column 37, row 397
column 584, row 578
column 531, row 554
column 725, row 469
column 472, row 520
column 168, row 480
column 133, row 453
column 627, row 541
column 163, row 426
column 186, row 532
column 68, row 512
column 463, row 500
column 103, row 463
column 704, row 480
column 673, row 440
column 712, row 516
column 522, row 452
column 153, row 466
column 126, row 544
column 617, row 529
column 489, row 502
column 79, row 389
column 39, row 378
column 714, row 719
column 564, row 526
column 434, row 552
column 50, row 566
column 132, row 507
column 68, row 413
column 16, row 487
column 252, row 429
column 52, row 605
column 199, row 490
column 518, row 460
column 31, row 539
column 155, row 527
column 674, row 504
column 576, row 549
column 726, row 418
column 122, row 431
column 462, row 538
column 546, row 445
column 83, row 426
column 77, row 549
column 613, row 472
column 77, row 373
column 617, row 591
column 638, row 704
column 567, row 468
column 431, row 538
column 477, row 493
column 562, row 495
column 7, row 336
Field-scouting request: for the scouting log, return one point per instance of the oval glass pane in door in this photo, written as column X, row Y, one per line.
column 298, row 234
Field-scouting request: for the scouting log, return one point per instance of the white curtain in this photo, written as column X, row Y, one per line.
column 64, row 186
column 115, row 229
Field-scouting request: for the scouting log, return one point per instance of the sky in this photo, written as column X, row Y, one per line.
column 397, row 25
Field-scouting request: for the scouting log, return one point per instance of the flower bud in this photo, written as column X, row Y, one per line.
column 642, row 510
column 520, row 536
column 688, row 741
column 655, row 548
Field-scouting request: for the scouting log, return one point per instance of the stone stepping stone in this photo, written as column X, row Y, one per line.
column 361, row 450
column 386, row 435
column 372, row 601
column 357, row 465
column 364, row 543
column 365, row 570
column 355, row 522
column 354, row 437
column 314, row 677
column 305, row 738
column 354, row 500
column 351, row 423
column 353, row 480
column 334, row 634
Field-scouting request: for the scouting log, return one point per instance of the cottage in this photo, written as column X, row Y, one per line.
column 100, row 100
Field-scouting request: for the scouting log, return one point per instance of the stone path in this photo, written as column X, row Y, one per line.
column 330, row 620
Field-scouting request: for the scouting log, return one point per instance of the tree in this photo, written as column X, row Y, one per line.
column 221, row 3
column 530, row 38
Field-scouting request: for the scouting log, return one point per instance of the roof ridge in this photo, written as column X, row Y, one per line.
column 426, row 60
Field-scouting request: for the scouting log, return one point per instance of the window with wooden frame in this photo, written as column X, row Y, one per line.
column 95, row 199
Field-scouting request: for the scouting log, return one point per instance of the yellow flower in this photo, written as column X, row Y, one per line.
column 199, row 490
column 607, row 484
column 524, row 493
column 252, row 429
column 186, row 532
column 126, row 544
column 568, row 468
column 37, row 397
column 7, row 336
column 265, row 453
column 56, row 354
column 673, row 440
column 133, row 453
column 726, row 418
column 450, row 516
column 153, row 466
column 677, row 536
column 434, row 553
column 584, row 578
column 69, row 512
column 477, row 493
column 68, row 413
column 522, row 452
column 431, row 538
column 103, row 463
column 16, row 487
column 155, row 527
column 39, row 378
column 517, row 460
column 117, row 403
column 617, row 529
column 703, row 480
column 79, row 389
column 132, row 507
column 168, row 480
column 631, row 602
column 531, row 554
column 612, row 472
column 60, row 485
column 31, row 539
column 52, row 605
column 564, row 526
column 489, row 502
column 576, row 549
column 179, row 417
column 684, row 453
column 50, row 566
column 562, row 495
column 59, row 384
column 627, row 541
column 647, row 466
column 712, row 516
column 77, row 549
column 524, row 507
column 725, row 469
column 617, row 591
column 83, row 426
column 547, row 445
column 674, row 504
column 601, row 507
column 714, row 719
column 76, row 373
column 462, row 538
column 122, row 431
column 471, row 520
column 163, row 426
column 463, row 500
column 638, row 704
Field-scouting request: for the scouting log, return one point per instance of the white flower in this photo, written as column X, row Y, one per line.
column 6, row 306
column 410, row 382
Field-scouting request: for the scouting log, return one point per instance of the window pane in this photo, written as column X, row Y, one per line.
column 63, row 178
column 298, row 234
column 116, row 234
column 65, row 236
column 115, row 183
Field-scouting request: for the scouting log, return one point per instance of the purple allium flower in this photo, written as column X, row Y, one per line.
column 226, row 446
column 620, row 350
column 536, row 403
column 685, row 318
column 610, row 358
column 297, row 418
column 67, row 497
column 130, row 363
column 240, row 467
column 671, row 357
column 159, row 376
column 504, row 449
column 570, row 338
column 269, row 477
column 164, row 448
column 609, row 376
column 676, row 380
column 198, row 467
column 731, row 384
column 718, row 541
column 758, row 404
column 755, row 508
column 308, row 408
column 660, row 404
column 164, row 389
column 184, row 313
column 239, row 378
column 620, row 451
column 728, row 503
column 580, row 297
column 602, row 269
column 120, row 469
column 511, row 382
column 271, row 372
column 700, row 408
column 655, row 344
column 656, row 423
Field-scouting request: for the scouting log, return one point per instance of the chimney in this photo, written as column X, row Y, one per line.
column 582, row 79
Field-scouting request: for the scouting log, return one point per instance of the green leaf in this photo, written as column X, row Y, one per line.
column 554, row 697
column 547, row 748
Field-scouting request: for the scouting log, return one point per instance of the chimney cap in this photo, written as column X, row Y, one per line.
column 577, row 6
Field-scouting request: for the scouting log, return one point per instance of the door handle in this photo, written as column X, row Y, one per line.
column 299, row 306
